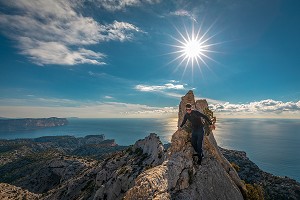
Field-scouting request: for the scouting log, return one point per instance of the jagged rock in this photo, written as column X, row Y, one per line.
column 8, row 191
column 178, row 177
column 153, row 147
column 112, row 178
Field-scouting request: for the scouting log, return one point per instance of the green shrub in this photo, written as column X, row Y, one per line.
column 235, row 166
column 138, row 151
column 254, row 192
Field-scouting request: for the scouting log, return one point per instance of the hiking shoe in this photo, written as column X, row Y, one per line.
column 199, row 161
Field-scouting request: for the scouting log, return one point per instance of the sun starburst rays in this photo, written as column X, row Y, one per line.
column 193, row 49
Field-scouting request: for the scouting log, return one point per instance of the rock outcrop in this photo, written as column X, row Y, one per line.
column 178, row 177
column 274, row 187
column 112, row 178
column 8, row 191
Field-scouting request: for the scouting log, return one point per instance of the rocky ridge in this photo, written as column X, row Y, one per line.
column 178, row 177
column 112, row 178
column 42, row 164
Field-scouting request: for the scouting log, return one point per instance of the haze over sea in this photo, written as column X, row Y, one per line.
column 271, row 143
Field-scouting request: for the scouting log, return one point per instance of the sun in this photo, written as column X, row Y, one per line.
column 194, row 48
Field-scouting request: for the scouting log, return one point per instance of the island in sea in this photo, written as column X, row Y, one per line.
column 10, row 125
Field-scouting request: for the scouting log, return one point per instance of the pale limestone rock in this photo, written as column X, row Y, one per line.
column 188, row 98
column 113, row 177
column 178, row 177
column 153, row 147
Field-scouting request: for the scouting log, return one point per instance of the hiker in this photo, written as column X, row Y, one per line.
column 194, row 117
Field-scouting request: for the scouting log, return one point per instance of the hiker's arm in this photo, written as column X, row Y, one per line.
column 211, row 124
column 184, row 121
column 206, row 118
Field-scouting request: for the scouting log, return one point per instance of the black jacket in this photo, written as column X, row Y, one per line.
column 195, row 119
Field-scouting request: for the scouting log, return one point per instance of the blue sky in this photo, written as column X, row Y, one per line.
column 96, row 58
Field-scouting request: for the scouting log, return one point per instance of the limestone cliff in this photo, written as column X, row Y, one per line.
column 179, row 177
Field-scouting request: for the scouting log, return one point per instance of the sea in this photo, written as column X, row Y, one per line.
column 270, row 143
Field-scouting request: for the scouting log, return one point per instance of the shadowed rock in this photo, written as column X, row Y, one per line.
column 8, row 191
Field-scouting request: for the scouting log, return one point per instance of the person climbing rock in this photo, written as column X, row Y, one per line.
column 194, row 117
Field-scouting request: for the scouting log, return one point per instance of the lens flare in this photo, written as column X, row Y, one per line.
column 193, row 48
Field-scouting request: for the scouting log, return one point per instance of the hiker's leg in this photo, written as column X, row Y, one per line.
column 194, row 140
column 200, row 133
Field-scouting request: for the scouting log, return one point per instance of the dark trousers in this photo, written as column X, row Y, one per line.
column 197, row 140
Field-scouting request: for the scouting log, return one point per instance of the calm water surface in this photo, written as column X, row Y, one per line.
column 271, row 143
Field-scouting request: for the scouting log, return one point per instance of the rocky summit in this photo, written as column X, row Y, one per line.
column 179, row 177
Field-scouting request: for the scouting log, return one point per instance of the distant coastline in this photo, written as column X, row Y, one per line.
column 24, row 124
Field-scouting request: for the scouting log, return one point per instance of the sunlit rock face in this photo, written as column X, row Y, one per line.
column 179, row 177
column 113, row 177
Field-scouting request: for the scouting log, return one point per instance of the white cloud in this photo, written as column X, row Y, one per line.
column 167, row 89
column 155, row 88
column 120, row 31
column 57, row 53
column 54, row 32
column 113, row 5
column 183, row 13
column 47, row 107
column 264, row 107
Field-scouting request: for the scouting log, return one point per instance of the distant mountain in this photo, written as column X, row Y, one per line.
column 9, row 125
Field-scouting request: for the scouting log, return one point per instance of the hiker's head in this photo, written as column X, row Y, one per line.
column 188, row 108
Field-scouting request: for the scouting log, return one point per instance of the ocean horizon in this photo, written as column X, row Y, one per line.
column 270, row 143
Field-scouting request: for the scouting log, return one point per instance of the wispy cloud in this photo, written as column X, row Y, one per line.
column 42, row 107
column 264, row 107
column 108, row 97
column 156, row 88
column 183, row 13
column 171, row 89
column 46, row 107
column 32, row 100
column 54, row 32
column 113, row 5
